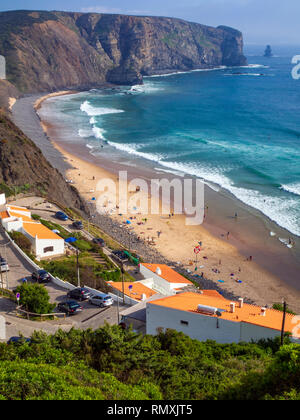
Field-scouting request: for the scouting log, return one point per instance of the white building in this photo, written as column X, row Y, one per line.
column 163, row 279
column 45, row 243
column 209, row 316
column 2, row 199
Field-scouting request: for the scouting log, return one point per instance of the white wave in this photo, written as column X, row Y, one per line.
column 94, row 111
column 169, row 171
column 245, row 74
column 147, row 87
column 84, row 133
column 99, row 133
column 292, row 188
column 185, row 72
column 132, row 149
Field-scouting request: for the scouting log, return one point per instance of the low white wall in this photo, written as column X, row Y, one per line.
column 2, row 199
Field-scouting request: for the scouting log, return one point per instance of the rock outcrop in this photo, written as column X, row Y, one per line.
column 23, row 168
column 47, row 51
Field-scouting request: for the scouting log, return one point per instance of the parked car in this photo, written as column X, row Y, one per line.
column 120, row 256
column 99, row 241
column 70, row 307
column 78, row 225
column 61, row 216
column 3, row 266
column 41, row 276
column 81, row 293
column 19, row 340
column 101, row 300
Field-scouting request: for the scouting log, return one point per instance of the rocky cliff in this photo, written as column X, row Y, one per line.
column 23, row 168
column 48, row 51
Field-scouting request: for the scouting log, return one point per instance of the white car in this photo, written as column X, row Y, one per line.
column 103, row 300
column 4, row 267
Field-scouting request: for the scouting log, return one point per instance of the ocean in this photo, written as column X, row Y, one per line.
column 238, row 129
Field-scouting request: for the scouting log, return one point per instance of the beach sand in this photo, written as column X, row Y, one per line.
column 177, row 242
column 266, row 280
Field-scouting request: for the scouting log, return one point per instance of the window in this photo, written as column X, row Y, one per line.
column 48, row 249
column 184, row 323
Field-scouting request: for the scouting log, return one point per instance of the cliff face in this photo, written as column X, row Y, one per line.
column 48, row 51
column 23, row 165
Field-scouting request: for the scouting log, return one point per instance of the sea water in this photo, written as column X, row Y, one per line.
column 236, row 128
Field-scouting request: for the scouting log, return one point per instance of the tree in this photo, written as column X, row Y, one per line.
column 35, row 298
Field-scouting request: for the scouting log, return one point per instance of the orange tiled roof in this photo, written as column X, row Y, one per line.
column 21, row 216
column 16, row 208
column 138, row 289
column 39, row 230
column 4, row 215
column 167, row 273
column 248, row 313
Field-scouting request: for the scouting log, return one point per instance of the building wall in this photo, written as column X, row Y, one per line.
column 57, row 244
column 12, row 224
column 200, row 327
column 2, row 199
column 159, row 284
column 255, row 332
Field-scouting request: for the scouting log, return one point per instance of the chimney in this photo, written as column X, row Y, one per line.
column 232, row 307
column 241, row 302
column 263, row 311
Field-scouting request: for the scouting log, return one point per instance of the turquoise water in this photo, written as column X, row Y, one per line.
column 238, row 129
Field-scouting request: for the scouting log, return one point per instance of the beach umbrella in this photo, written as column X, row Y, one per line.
column 128, row 222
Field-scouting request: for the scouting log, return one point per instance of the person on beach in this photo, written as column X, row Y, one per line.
column 228, row 233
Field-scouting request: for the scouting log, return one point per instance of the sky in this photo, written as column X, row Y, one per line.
column 261, row 21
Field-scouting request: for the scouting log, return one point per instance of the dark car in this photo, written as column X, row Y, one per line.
column 78, row 225
column 19, row 340
column 81, row 293
column 70, row 307
column 120, row 256
column 41, row 276
column 99, row 241
column 61, row 216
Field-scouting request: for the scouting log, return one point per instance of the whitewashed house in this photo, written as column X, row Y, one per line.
column 163, row 279
column 209, row 316
column 45, row 243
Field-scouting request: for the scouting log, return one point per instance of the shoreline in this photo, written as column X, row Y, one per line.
column 259, row 285
column 38, row 103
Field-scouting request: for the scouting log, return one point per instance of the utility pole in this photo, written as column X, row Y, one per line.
column 78, row 270
column 123, row 286
column 283, row 321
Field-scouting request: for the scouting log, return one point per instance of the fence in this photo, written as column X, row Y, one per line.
column 41, row 316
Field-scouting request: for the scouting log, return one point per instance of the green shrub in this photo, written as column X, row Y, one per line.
column 35, row 298
column 22, row 241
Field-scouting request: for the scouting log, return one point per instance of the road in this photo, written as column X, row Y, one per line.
column 91, row 317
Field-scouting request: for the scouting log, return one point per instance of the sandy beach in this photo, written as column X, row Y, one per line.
column 218, row 260
column 221, row 257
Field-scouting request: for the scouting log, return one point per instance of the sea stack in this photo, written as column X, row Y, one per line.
column 268, row 51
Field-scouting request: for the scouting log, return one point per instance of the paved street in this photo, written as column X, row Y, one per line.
column 91, row 317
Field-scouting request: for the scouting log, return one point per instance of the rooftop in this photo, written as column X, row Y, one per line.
column 137, row 291
column 248, row 313
column 39, row 230
column 167, row 273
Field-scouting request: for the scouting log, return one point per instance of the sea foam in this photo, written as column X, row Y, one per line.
column 95, row 111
